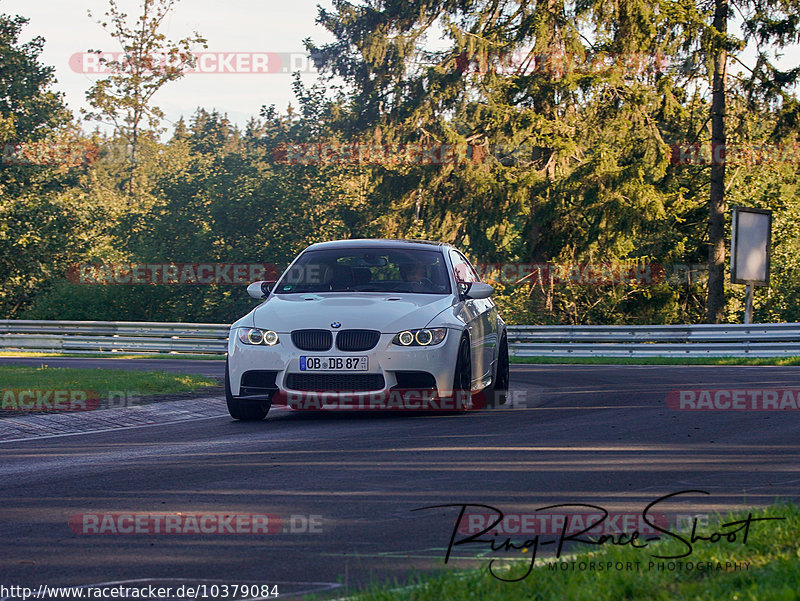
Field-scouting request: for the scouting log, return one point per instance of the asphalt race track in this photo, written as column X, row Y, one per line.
column 600, row 435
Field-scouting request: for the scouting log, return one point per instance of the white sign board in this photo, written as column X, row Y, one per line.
column 750, row 246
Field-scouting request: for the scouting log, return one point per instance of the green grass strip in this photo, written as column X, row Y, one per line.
column 102, row 381
column 773, row 573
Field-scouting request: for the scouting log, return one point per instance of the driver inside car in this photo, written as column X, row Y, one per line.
column 416, row 276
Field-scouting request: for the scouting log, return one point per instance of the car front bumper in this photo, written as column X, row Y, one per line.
column 389, row 361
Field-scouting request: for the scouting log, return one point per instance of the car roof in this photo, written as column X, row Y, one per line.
column 378, row 243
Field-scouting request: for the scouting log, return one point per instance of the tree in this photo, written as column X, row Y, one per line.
column 716, row 204
column 148, row 62
column 573, row 158
column 588, row 191
column 767, row 24
column 29, row 108
column 44, row 221
column 27, row 104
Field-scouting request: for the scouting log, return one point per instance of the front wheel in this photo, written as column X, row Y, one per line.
column 246, row 411
column 499, row 388
column 462, row 378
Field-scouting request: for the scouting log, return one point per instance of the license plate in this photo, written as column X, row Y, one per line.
column 334, row 363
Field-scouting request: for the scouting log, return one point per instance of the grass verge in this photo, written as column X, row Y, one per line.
column 771, row 551
column 102, row 381
column 780, row 361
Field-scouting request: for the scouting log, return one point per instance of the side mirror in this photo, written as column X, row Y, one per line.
column 260, row 290
column 478, row 290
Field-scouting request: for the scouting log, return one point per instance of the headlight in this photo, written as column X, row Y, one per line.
column 405, row 338
column 256, row 336
column 424, row 337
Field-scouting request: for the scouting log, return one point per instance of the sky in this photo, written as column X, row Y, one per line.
column 236, row 30
column 253, row 46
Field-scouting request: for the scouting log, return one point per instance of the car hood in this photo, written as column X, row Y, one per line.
column 384, row 312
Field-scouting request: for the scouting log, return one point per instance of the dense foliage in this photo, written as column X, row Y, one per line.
column 565, row 126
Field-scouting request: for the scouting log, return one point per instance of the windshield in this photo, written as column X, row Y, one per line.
column 367, row 270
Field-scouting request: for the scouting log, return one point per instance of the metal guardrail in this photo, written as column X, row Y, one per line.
column 113, row 336
column 728, row 340
column 724, row 340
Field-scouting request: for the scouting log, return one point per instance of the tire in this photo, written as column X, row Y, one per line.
column 462, row 374
column 498, row 391
column 246, row 411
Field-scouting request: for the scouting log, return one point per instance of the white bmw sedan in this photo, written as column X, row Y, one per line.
column 360, row 319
